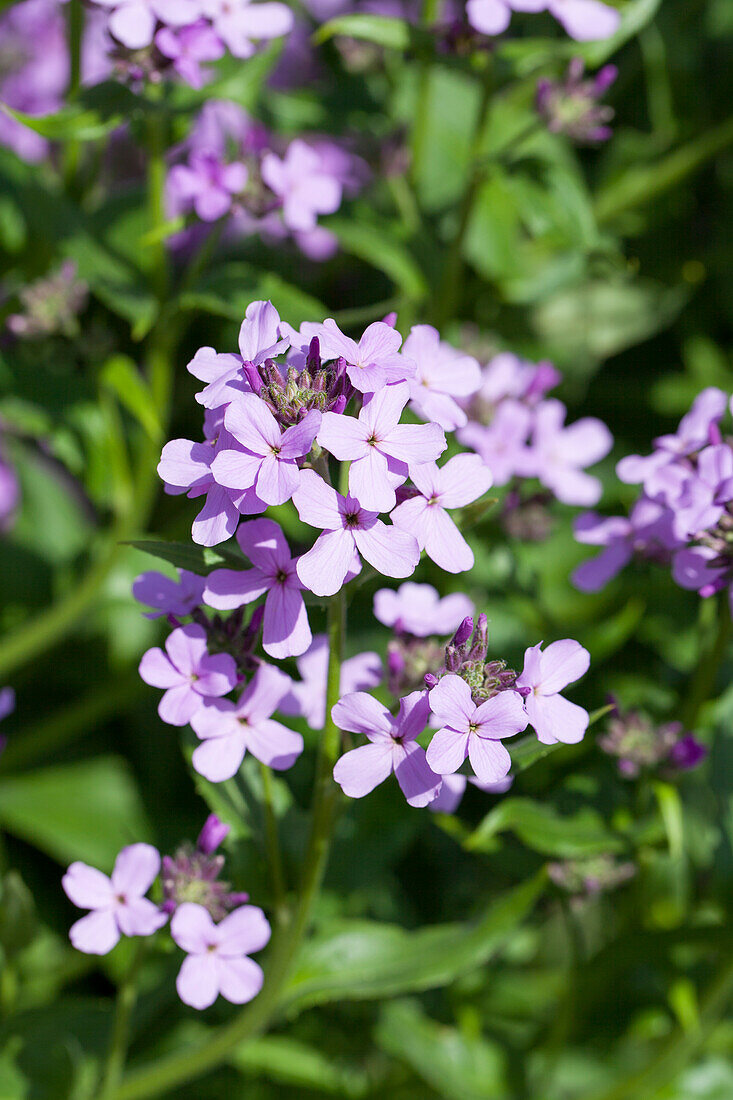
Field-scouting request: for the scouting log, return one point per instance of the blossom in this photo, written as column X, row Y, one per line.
column 502, row 443
column 7, row 702
column 443, row 374
column 348, row 530
column 647, row 531
column 286, row 632
column 207, row 184
column 392, row 747
column 543, row 677
column 118, row 905
column 374, row 362
column 213, row 833
column 473, row 731
column 379, row 447
column 572, row 107
column 259, row 339
column 192, row 874
column 307, row 697
column 462, row 480
column 217, row 954
column 269, row 461
column 701, row 569
column 186, row 47
column 188, row 672
column 132, row 22
column 702, row 493
column 300, row 181
column 229, row 729
column 239, row 23
column 584, row 20
column 418, row 609
column 557, row 454
column 167, row 596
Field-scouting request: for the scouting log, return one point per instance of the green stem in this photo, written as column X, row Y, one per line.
column 703, row 679
column 421, row 120
column 74, row 35
column 272, row 846
column 126, row 1000
column 166, row 1073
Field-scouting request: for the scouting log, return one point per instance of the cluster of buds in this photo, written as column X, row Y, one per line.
column 639, row 744
column 591, row 876
column 571, row 106
column 192, row 874
column 466, row 656
column 233, row 634
column 314, row 386
column 51, row 305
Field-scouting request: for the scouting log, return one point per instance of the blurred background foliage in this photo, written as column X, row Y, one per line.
column 444, row 963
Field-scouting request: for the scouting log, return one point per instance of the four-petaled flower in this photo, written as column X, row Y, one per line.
column 417, row 609
column 392, row 747
column 217, row 954
column 188, row 672
column 285, row 631
column 379, row 447
column 299, row 180
column 348, row 530
column 473, row 731
column 553, row 717
column 374, row 362
column 229, row 729
column 462, row 480
column 443, row 374
column 557, row 454
column 118, row 905
column 167, row 596
column 207, row 184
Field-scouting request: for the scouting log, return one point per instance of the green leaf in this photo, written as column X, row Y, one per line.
column 375, row 244
column 541, row 828
column 364, row 960
column 97, row 110
column 122, row 376
column 290, row 1062
column 87, row 810
column 394, row 34
column 186, row 555
column 458, row 1067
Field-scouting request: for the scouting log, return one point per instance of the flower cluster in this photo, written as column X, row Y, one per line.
column 572, row 106
column 50, row 305
column 639, row 744
column 521, row 433
column 584, row 20
column 683, row 516
column 215, row 928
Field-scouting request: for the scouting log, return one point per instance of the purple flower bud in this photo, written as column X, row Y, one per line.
column 313, row 358
column 687, row 753
column 212, row 835
column 464, row 631
column 249, row 370
column 390, row 319
column 430, row 680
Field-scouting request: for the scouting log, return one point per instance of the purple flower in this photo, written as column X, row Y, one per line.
column 217, row 369
column 379, row 447
column 188, row 672
column 118, row 905
column 572, row 107
column 584, row 20
column 207, row 184
column 454, row 788
column 473, row 731
column 300, row 182
column 217, row 954
column 543, row 677
column 229, row 729
column 167, row 596
column 239, row 23
column 687, row 753
column 307, row 697
column 213, row 833
column 700, row 568
column 392, row 747
column 417, row 609
column 502, row 443
column 268, row 462
column 348, row 530
column 443, row 374
column 187, row 47
column 462, row 480
column 374, row 362
column 700, row 496
column 286, row 632
column 7, row 702
column 557, row 454
column 647, row 532
column 132, row 22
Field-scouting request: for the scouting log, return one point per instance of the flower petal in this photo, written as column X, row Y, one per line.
column 87, row 887
column 198, row 981
column 489, row 759
column 359, row 712
column 392, row 552
column 554, row 718
column 451, row 702
column 418, row 782
column 273, row 744
column 135, row 869
column 447, row 750
column 323, row 569
column 243, row 931
column 95, row 934
column 361, row 770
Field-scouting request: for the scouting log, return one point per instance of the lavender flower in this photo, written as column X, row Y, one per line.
column 188, row 673
column 640, row 744
column 133, row 22
column 169, row 597
column 417, row 609
column 192, row 874
column 543, row 677
column 584, row 20
column 217, row 959
column 373, row 362
column 207, row 184
column 443, row 374
column 557, row 455
column 240, row 23
column 572, row 107
column 473, row 731
column 301, row 184
column 186, row 47
column 307, row 697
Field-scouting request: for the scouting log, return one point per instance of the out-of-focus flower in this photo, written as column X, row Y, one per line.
column 443, row 374
column 571, row 106
column 583, row 20
column 418, row 609
column 118, row 905
column 51, row 305
column 557, row 455
column 187, row 47
column 206, row 184
column 302, row 185
column 217, row 960
column 240, row 23
column 594, row 875
column 167, row 596
column 640, row 744
column 307, row 696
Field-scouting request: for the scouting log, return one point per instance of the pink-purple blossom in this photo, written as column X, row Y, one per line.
column 240, row 24
column 392, row 747
column 468, row 730
column 168, row 596
column 501, row 444
column 460, row 481
column 187, row 47
column 417, row 609
column 583, row 20
column 188, row 672
column 217, row 955
column 307, row 696
column 443, row 374
column 302, row 185
column 647, row 532
column 206, row 184
column 285, row 629
column 118, row 904
column 373, row 362
column 347, row 531
column 557, row 455
column 543, row 677
column 133, row 22
column 229, row 730
column 379, row 448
